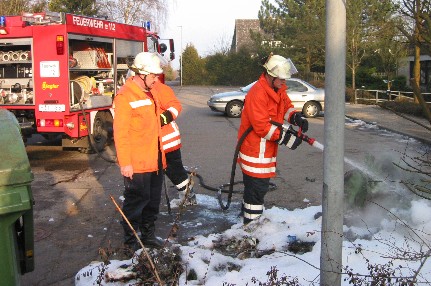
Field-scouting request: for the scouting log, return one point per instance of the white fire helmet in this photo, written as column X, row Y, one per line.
column 280, row 67
column 146, row 63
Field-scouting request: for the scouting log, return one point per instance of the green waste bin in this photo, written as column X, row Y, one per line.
column 16, row 204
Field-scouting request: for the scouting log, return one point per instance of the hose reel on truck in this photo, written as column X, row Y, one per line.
column 101, row 135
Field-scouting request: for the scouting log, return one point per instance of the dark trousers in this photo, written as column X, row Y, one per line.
column 142, row 198
column 175, row 170
column 255, row 190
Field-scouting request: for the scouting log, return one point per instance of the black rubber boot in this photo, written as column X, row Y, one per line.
column 247, row 221
column 131, row 244
column 148, row 238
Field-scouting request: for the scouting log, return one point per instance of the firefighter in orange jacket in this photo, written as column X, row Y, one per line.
column 171, row 141
column 138, row 141
column 266, row 101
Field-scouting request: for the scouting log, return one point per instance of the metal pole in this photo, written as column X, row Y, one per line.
column 181, row 57
column 333, row 156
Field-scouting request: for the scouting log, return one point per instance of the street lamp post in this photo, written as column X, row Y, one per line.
column 181, row 57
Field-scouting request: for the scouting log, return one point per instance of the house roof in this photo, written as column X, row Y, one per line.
column 241, row 35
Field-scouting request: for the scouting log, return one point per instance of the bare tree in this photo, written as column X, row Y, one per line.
column 39, row 6
column 136, row 11
column 364, row 21
column 13, row 7
column 390, row 47
column 16, row 7
column 222, row 45
column 414, row 28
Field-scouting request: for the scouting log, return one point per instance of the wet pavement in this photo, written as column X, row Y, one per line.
column 74, row 214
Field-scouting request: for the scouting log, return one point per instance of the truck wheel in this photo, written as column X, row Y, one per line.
column 102, row 131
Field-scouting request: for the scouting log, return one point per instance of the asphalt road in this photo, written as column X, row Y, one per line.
column 75, row 216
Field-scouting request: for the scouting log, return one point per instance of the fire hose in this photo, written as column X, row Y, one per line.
column 287, row 127
column 297, row 133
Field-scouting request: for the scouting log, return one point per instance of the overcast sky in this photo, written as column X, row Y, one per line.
column 208, row 25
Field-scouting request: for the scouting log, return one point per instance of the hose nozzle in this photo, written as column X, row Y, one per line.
column 307, row 139
column 298, row 133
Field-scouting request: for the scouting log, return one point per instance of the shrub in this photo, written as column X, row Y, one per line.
column 405, row 107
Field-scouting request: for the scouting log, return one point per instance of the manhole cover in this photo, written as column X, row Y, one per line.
column 41, row 233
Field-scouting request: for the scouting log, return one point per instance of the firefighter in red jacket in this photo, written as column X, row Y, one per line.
column 171, row 141
column 266, row 101
column 138, row 141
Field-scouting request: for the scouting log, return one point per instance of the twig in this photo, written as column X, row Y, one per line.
column 153, row 267
column 417, row 190
column 425, row 258
column 181, row 207
column 412, row 169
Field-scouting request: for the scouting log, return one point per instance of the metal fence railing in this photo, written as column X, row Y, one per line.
column 377, row 96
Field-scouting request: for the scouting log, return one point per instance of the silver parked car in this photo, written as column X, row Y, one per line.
column 304, row 96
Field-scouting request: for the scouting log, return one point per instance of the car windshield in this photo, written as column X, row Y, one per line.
column 247, row 87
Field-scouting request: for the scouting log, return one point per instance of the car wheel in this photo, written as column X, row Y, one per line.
column 311, row 109
column 234, row 108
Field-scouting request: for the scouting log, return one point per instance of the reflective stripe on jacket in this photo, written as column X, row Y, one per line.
column 258, row 152
column 137, row 131
column 171, row 139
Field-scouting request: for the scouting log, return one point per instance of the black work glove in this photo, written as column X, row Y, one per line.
column 288, row 139
column 166, row 118
column 300, row 121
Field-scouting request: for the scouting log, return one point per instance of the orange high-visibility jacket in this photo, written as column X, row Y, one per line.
column 171, row 138
column 258, row 152
column 137, row 131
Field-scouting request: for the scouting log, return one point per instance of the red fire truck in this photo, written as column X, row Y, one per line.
column 59, row 73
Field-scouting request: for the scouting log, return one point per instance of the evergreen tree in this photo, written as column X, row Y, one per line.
column 169, row 72
column 296, row 30
column 194, row 72
column 236, row 69
column 216, row 68
column 242, row 68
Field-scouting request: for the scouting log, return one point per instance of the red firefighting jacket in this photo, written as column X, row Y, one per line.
column 258, row 152
column 137, row 131
column 171, row 138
